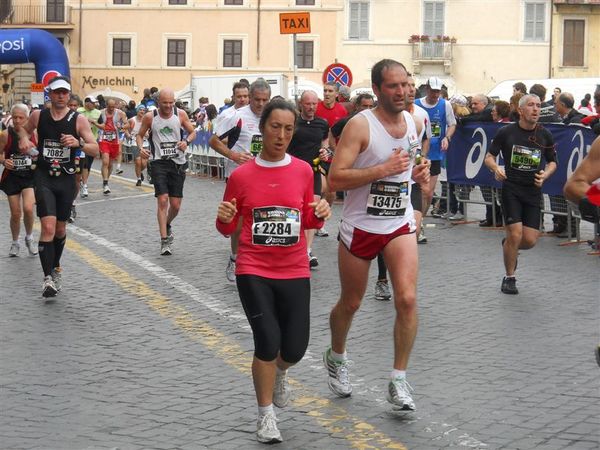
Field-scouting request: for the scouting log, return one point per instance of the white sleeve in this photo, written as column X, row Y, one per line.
column 225, row 122
column 450, row 119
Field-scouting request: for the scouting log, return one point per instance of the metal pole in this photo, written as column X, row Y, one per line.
column 295, row 71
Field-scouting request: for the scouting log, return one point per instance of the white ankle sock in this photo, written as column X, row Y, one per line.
column 398, row 373
column 338, row 357
column 264, row 410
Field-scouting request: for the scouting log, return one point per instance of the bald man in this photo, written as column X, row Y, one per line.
column 167, row 159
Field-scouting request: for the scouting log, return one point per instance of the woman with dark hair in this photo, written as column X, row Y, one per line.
column 501, row 111
column 273, row 196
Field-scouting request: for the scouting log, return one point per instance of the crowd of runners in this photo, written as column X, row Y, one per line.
column 284, row 165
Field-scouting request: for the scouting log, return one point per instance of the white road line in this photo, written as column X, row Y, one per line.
column 112, row 199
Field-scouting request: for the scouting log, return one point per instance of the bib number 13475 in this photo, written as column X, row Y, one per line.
column 387, row 198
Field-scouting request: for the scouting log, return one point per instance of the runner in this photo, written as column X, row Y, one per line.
column 113, row 121
column 59, row 131
column 94, row 117
column 524, row 145
column 17, row 180
column 238, row 139
column 135, row 123
column 273, row 276
column 74, row 105
column 309, row 144
column 373, row 164
column 167, row 160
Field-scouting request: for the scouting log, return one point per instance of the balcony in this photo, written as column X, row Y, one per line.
column 432, row 53
column 53, row 16
column 577, row 2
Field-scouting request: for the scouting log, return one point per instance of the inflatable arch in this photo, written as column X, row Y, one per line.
column 34, row 46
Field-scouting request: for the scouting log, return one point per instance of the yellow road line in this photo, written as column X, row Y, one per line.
column 359, row 434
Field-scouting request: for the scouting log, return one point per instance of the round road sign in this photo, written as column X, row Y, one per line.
column 338, row 73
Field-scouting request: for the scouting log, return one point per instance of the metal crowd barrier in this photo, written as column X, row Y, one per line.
column 205, row 161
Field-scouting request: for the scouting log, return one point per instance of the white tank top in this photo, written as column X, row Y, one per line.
column 166, row 133
column 382, row 206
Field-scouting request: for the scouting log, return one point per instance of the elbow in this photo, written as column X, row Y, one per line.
column 333, row 182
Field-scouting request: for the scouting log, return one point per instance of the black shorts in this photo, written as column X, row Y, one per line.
column 13, row 184
column 54, row 195
column 168, row 177
column 435, row 168
column 317, row 183
column 416, row 197
column 279, row 314
column 521, row 204
column 86, row 162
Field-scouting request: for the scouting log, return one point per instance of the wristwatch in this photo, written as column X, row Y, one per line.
column 188, row 142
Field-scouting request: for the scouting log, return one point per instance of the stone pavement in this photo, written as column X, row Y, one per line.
column 141, row 351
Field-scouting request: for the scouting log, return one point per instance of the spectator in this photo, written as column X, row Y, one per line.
column 547, row 113
column 101, row 101
column 481, row 110
column 344, row 99
column 501, row 111
column 514, row 107
column 593, row 121
column 519, row 87
column 564, row 108
column 557, row 91
column 585, row 107
column 131, row 110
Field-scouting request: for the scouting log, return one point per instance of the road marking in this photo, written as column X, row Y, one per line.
column 124, row 180
column 112, row 199
column 334, row 419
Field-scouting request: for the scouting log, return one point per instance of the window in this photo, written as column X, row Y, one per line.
column 573, row 42
column 121, row 2
column 305, row 2
column 55, row 10
column 232, row 53
column 121, row 54
column 304, row 54
column 359, row 20
column 234, row 2
column 176, row 52
column 177, row 2
column 535, row 21
column 433, row 25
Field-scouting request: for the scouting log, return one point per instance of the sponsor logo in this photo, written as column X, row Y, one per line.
column 12, row 46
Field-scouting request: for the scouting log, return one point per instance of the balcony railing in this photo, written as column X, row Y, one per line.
column 36, row 15
column 432, row 51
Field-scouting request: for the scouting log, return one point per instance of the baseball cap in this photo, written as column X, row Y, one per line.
column 140, row 108
column 458, row 99
column 59, row 83
column 434, row 83
column 91, row 99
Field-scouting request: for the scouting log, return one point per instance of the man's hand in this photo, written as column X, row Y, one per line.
column 69, row 140
column 144, row 153
column 9, row 164
column 227, row 211
column 241, row 157
column 420, row 172
column 499, row 174
column 540, row 177
column 322, row 209
column 398, row 162
column 444, row 144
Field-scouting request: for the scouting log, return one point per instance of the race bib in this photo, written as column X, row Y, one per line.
column 21, row 162
column 54, row 150
column 525, row 159
column 109, row 135
column 413, row 145
column 275, row 226
column 168, row 150
column 387, row 198
column 436, row 129
column 256, row 144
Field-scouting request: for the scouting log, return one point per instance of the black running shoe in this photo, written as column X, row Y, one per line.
column 509, row 285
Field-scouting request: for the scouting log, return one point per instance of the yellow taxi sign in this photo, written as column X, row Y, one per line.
column 294, row 23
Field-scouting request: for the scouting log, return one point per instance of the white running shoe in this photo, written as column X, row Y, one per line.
column 338, row 379
column 457, row 216
column 31, row 247
column 57, row 278
column 399, row 395
column 106, row 189
column 83, row 192
column 15, row 248
column 322, row 232
column 312, row 261
column 382, row 290
column 230, row 270
column 281, row 391
column 266, row 429
column 49, row 289
column 165, row 247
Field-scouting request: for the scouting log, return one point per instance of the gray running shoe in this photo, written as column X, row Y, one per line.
column 399, row 395
column 266, row 429
column 31, row 247
column 170, row 235
column 509, row 286
column 382, row 290
column 57, row 278
column 230, row 270
column 48, row 288
column 312, row 261
column 83, row 192
column 421, row 238
column 281, row 391
column 165, row 247
column 337, row 372
column 15, row 248
column 322, row 232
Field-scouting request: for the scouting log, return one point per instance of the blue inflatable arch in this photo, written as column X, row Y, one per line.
column 34, row 46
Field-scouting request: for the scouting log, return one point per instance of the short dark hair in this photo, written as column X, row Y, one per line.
column 520, row 86
column 379, row 67
column 539, row 90
column 211, row 111
column 239, row 85
column 360, row 97
column 502, row 108
column 272, row 106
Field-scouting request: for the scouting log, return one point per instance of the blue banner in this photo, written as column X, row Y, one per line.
column 471, row 141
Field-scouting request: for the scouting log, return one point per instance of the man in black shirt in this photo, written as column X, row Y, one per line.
column 309, row 144
column 524, row 146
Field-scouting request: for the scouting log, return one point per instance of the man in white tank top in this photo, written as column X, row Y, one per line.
column 167, row 159
column 374, row 163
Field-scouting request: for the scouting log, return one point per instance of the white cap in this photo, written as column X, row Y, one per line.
column 59, row 83
column 91, row 99
column 434, row 83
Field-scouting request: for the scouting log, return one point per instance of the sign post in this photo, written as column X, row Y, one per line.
column 294, row 23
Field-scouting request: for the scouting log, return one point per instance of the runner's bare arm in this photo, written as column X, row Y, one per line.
column 27, row 130
column 139, row 139
column 187, row 126
column 354, row 140
column 90, row 146
column 585, row 174
column 219, row 146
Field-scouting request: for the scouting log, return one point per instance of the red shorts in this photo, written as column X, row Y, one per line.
column 365, row 245
column 112, row 148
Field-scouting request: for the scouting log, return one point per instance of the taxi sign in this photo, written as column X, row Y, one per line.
column 294, row 23
column 37, row 87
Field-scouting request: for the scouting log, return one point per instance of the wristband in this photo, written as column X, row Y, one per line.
column 588, row 211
